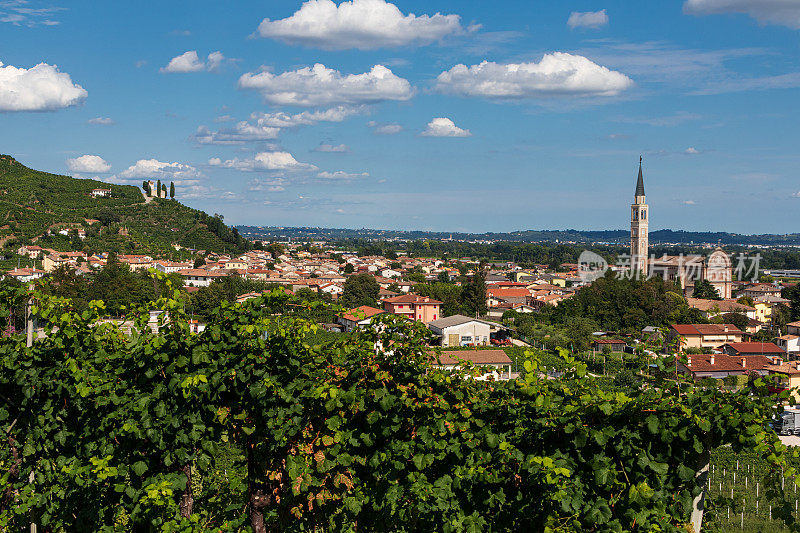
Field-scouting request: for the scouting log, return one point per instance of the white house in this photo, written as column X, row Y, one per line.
column 460, row 330
column 100, row 193
column 360, row 316
column 789, row 344
column 168, row 267
column 197, row 277
column 390, row 273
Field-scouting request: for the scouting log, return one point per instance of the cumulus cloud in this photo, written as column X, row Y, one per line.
column 341, row 175
column 332, row 148
column 692, row 151
column 384, row 129
column 93, row 164
column 266, row 126
column 39, row 88
column 782, row 12
column 263, row 161
column 444, row 127
column 155, row 169
column 362, row 24
column 100, row 121
column 319, row 85
column 191, row 62
column 587, row 19
column 557, row 74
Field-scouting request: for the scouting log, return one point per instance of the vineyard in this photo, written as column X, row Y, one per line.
column 257, row 424
column 33, row 202
column 740, row 498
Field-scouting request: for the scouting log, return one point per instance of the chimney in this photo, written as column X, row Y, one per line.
column 711, row 360
column 726, row 328
column 744, row 362
column 688, row 360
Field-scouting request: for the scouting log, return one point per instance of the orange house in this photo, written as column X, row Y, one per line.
column 413, row 307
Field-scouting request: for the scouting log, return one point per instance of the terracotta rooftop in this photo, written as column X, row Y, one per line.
column 412, row 299
column 361, row 313
column 478, row 357
column 706, row 329
column 756, row 347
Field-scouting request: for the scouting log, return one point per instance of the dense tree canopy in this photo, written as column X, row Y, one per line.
column 360, row 289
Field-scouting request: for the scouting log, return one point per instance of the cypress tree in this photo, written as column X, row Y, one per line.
column 172, row 189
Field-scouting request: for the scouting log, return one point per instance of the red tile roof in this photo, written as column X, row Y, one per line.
column 361, row 313
column 722, row 363
column 755, row 347
column 478, row 357
column 412, row 299
column 706, row 329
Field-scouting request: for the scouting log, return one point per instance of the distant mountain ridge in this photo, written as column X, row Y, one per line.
column 570, row 235
column 35, row 203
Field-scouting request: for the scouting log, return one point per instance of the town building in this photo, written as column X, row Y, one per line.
column 360, row 316
column 683, row 270
column 492, row 364
column 100, row 193
column 460, row 330
column 704, row 335
column 413, row 307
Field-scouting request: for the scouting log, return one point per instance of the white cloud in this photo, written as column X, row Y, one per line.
column 557, row 74
column 186, row 62
column 341, row 175
column 242, row 133
column 444, row 127
column 263, row 161
column 797, row 194
column 190, row 62
column 384, row 129
column 20, row 13
column 587, row 19
column 215, row 60
column 689, row 202
column 266, row 126
column 100, row 121
column 306, row 118
column 39, row 88
column 692, row 151
column 93, row 164
column 320, row 85
column 332, row 148
column 155, row 169
column 362, row 24
column 267, row 184
column 782, row 12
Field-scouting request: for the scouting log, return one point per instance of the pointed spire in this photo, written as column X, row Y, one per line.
column 640, row 181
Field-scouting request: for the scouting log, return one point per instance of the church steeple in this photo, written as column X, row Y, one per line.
column 640, row 181
column 640, row 240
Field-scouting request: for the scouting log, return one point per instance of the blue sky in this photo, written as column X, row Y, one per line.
column 388, row 131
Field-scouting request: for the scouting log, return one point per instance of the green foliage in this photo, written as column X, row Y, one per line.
column 31, row 202
column 251, row 424
column 360, row 289
column 704, row 289
column 627, row 305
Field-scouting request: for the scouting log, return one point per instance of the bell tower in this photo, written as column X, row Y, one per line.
column 639, row 234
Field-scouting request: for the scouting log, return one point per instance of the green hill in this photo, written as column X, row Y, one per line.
column 34, row 203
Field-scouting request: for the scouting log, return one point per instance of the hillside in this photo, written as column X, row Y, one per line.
column 34, row 202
